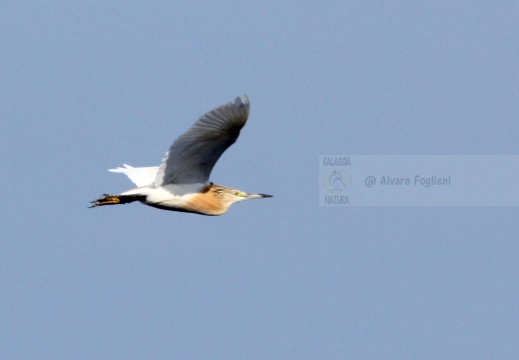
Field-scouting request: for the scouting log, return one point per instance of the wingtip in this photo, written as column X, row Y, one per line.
column 242, row 101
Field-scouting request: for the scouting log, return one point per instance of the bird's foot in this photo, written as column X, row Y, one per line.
column 106, row 200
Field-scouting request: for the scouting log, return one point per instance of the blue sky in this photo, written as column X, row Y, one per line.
column 87, row 86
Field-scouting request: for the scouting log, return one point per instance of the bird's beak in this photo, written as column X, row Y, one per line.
column 258, row 196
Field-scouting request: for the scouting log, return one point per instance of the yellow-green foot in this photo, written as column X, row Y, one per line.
column 106, row 200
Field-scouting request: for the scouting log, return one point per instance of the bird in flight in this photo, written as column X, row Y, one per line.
column 181, row 182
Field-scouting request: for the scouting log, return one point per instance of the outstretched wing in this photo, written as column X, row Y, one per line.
column 192, row 156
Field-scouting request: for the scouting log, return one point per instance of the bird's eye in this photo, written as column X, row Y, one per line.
column 237, row 193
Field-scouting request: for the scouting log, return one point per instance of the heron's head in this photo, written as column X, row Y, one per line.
column 228, row 196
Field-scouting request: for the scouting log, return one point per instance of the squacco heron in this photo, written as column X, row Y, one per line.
column 181, row 182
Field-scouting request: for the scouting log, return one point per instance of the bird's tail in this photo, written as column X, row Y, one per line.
column 140, row 176
column 116, row 200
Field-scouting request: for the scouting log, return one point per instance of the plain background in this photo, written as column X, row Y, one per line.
column 86, row 86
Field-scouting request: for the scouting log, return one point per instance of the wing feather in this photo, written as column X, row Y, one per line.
column 193, row 155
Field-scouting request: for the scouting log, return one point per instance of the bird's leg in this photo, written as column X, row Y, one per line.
column 117, row 199
column 107, row 200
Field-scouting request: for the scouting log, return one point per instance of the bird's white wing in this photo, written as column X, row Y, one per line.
column 192, row 156
column 140, row 176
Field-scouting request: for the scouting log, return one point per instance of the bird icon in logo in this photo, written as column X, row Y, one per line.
column 336, row 182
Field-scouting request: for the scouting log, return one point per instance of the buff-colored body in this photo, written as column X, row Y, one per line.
column 205, row 199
